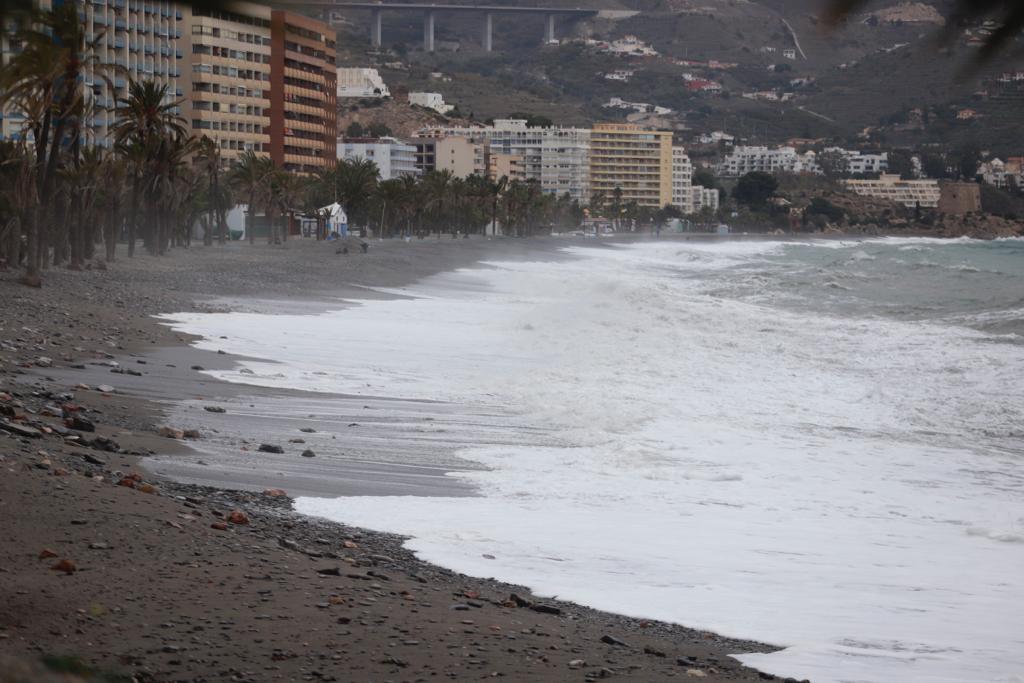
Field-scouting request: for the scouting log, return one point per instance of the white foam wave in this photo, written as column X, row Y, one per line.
column 797, row 479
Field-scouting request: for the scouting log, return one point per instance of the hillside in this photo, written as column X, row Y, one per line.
column 834, row 84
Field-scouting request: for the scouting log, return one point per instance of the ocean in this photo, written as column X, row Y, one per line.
column 815, row 444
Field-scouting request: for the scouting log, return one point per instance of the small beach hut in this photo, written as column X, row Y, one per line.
column 337, row 219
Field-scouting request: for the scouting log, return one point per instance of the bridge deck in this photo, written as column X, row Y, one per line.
column 411, row 6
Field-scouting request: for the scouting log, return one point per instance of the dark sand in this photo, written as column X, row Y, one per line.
column 159, row 594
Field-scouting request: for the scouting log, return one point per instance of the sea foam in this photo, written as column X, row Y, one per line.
column 821, row 483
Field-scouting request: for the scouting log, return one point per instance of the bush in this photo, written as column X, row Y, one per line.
column 820, row 206
column 755, row 188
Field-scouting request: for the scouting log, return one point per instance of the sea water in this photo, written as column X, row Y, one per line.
column 813, row 444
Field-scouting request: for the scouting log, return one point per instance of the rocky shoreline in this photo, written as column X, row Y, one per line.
column 113, row 574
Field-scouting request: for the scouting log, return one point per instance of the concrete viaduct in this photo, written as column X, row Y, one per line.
column 430, row 12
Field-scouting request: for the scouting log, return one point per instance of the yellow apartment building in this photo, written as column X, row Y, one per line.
column 635, row 160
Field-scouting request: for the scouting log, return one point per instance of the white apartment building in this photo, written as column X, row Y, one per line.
column 430, row 100
column 393, row 157
column 558, row 158
column 565, row 163
column 686, row 196
column 360, row 82
column 682, row 178
column 140, row 38
column 748, row 159
column 861, row 162
column 910, row 193
column 858, row 163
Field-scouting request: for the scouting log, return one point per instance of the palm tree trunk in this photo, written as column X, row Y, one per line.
column 32, row 248
column 251, row 215
column 133, row 219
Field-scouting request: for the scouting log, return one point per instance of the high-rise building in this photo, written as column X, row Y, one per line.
column 565, row 163
column 682, row 179
column 263, row 80
column 632, row 160
column 136, row 40
column 228, row 61
column 303, row 92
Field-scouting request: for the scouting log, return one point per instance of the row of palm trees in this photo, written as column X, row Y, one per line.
column 65, row 196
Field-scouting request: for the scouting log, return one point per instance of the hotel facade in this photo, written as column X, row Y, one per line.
column 636, row 161
column 246, row 76
column 264, row 81
column 137, row 40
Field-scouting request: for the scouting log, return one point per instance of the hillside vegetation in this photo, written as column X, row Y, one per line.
column 865, row 74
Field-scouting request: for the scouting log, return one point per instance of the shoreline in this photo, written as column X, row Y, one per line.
column 282, row 536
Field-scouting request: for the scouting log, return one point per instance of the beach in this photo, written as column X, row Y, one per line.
column 187, row 566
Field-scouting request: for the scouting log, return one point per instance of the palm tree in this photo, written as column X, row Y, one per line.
column 437, row 186
column 353, row 182
column 44, row 82
column 389, row 196
column 497, row 189
column 208, row 160
column 248, row 177
column 111, row 192
column 150, row 133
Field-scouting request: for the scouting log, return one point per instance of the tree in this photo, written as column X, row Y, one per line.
column 248, row 176
column 355, row 130
column 351, row 183
column 755, row 188
column 44, row 82
column 208, row 160
column 967, row 161
column 378, row 130
column 820, row 206
column 901, row 163
column 705, row 178
column 496, row 190
column 146, row 119
column 934, row 165
column 834, row 164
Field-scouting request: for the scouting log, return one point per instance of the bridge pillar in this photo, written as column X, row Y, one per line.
column 488, row 32
column 375, row 28
column 428, row 32
column 549, row 29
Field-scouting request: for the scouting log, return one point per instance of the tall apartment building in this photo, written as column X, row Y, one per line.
column 303, row 92
column 565, row 163
column 636, row 161
column 139, row 39
column 263, row 80
column 682, row 179
column 228, row 60
column 557, row 158
column 686, row 196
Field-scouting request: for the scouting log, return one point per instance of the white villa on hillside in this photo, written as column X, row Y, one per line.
column 430, row 100
column 360, row 82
